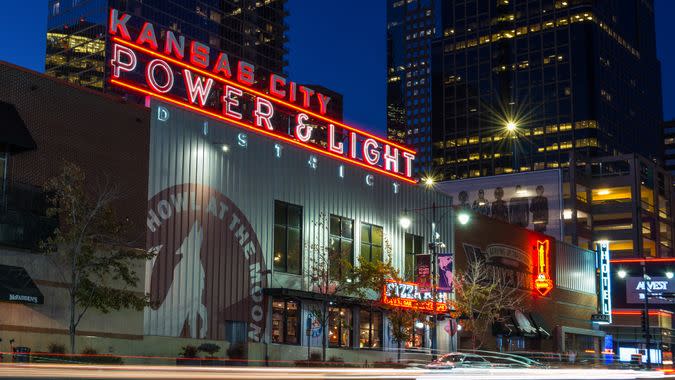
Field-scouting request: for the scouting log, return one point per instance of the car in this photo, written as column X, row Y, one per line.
column 459, row 360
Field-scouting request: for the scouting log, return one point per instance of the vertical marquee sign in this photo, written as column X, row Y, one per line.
column 191, row 75
column 542, row 282
column 602, row 252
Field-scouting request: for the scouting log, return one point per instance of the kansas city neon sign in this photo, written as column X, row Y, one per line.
column 193, row 76
column 542, row 282
column 406, row 295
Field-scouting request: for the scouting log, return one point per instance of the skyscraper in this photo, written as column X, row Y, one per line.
column 519, row 84
column 246, row 29
column 411, row 26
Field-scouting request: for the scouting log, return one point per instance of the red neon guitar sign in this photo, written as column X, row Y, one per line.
column 542, row 282
column 189, row 75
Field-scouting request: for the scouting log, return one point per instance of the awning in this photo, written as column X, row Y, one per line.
column 14, row 131
column 541, row 325
column 504, row 327
column 17, row 286
column 523, row 324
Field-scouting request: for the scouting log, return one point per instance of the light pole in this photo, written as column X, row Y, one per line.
column 648, row 342
column 405, row 223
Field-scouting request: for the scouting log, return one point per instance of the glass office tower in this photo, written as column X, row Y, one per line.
column 252, row 30
column 411, row 26
column 520, row 85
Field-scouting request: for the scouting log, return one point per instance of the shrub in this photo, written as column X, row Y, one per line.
column 189, row 352
column 56, row 348
column 237, row 350
column 209, row 348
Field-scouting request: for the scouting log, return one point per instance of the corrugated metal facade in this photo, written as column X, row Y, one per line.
column 240, row 186
column 575, row 268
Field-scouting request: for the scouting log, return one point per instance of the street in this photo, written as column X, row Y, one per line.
column 40, row 371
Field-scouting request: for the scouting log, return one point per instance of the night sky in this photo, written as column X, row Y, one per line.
column 339, row 44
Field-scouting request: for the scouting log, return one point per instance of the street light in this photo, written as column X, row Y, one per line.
column 428, row 181
column 405, row 222
column 622, row 273
column 669, row 275
column 511, row 126
column 463, row 218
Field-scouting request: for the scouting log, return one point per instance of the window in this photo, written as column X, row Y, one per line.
column 370, row 327
column 236, row 331
column 341, row 245
column 339, row 327
column 287, row 237
column 413, row 247
column 285, row 321
column 417, row 337
column 371, row 242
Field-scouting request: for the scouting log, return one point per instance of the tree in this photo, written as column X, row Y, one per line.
column 482, row 295
column 401, row 325
column 88, row 250
column 333, row 276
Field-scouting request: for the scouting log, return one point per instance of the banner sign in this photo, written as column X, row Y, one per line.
column 190, row 74
column 423, row 271
column 656, row 287
column 445, row 264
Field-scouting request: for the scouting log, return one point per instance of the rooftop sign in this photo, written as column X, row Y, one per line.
column 191, row 75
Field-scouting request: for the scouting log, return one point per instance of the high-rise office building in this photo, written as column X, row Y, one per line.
column 411, row 26
column 518, row 85
column 669, row 146
column 252, row 30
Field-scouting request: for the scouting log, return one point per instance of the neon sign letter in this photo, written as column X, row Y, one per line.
column 543, row 283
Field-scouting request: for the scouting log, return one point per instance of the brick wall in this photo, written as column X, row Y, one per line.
column 102, row 134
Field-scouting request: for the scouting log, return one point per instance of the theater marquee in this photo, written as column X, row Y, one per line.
column 190, row 74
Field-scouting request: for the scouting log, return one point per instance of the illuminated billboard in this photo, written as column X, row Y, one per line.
column 190, row 74
column 532, row 200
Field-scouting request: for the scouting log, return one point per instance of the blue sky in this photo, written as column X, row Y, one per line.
column 331, row 44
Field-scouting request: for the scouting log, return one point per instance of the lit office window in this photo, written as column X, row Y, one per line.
column 371, row 242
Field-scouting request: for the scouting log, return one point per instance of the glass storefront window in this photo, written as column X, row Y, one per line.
column 285, row 321
column 417, row 339
column 339, row 327
column 370, row 329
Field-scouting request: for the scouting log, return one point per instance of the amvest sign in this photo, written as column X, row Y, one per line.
column 190, row 74
column 636, row 287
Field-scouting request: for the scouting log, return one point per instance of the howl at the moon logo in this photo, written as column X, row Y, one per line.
column 209, row 272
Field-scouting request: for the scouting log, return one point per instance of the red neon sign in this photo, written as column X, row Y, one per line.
column 184, row 74
column 542, row 282
column 406, row 295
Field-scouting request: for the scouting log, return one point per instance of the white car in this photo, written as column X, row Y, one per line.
column 459, row 360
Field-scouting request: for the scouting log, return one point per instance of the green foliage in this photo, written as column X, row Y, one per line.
column 88, row 250
column 189, row 351
column 209, row 348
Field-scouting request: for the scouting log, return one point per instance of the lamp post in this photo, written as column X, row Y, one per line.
column 647, row 335
column 405, row 223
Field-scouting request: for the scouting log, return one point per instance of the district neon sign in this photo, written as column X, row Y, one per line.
column 191, row 75
column 542, row 282
column 406, row 295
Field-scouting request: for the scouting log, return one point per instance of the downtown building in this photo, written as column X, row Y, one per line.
column 77, row 32
column 411, row 27
column 565, row 76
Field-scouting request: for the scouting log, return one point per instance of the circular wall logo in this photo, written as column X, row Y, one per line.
column 208, row 276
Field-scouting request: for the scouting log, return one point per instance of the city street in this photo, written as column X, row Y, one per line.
column 167, row 372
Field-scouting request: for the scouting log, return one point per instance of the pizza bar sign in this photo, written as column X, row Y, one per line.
column 190, row 74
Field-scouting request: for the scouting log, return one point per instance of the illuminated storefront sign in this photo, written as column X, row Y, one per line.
column 407, row 295
column 543, row 283
column 605, row 316
column 191, row 75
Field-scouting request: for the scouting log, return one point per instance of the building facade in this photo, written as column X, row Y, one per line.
column 669, row 145
column 77, row 32
column 411, row 26
column 517, row 85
